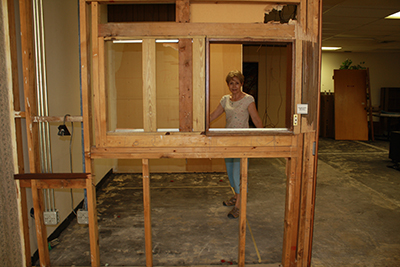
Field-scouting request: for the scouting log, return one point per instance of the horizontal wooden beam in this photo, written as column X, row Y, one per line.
column 194, row 152
column 53, row 180
column 43, row 176
column 199, row 140
column 57, row 119
column 174, row 29
column 55, row 183
column 195, row 1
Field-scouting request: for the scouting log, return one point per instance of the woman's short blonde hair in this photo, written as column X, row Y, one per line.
column 234, row 73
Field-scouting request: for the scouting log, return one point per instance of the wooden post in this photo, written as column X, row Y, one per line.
column 28, row 70
column 199, row 84
column 185, row 85
column 87, row 129
column 19, row 157
column 293, row 173
column 41, row 233
column 306, row 201
column 93, row 224
column 243, row 206
column 185, row 71
column 149, row 85
column 147, row 213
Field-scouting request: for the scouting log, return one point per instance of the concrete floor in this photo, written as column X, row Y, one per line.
column 357, row 213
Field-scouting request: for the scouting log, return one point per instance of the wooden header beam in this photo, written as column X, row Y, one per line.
column 194, row 1
column 231, row 30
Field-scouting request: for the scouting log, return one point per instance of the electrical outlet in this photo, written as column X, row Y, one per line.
column 82, row 217
column 295, row 119
column 51, row 217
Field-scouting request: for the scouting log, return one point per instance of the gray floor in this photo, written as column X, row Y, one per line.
column 357, row 213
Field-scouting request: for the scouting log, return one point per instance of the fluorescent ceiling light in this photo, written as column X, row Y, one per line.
column 167, row 41
column 394, row 16
column 327, row 48
column 127, row 41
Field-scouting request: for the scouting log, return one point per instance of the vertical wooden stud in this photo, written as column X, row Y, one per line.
column 182, row 11
column 41, row 232
column 147, row 213
column 292, row 203
column 28, row 71
column 243, row 209
column 199, row 84
column 93, row 224
column 95, row 72
column 298, row 82
column 149, row 85
column 185, row 86
column 102, row 92
column 307, row 201
column 87, row 130
column 17, row 131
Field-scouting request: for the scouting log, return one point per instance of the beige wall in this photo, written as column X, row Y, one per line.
column 383, row 68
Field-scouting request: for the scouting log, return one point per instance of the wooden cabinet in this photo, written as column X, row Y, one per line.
column 350, row 105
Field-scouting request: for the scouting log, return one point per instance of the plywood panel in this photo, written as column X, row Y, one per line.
column 350, row 105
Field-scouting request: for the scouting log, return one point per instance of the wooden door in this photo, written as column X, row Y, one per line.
column 350, row 105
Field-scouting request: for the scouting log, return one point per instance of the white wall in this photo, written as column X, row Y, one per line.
column 384, row 69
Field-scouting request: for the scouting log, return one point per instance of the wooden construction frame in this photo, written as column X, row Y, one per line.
column 298, row 144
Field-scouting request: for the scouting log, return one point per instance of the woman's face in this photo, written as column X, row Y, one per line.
column 234, row 85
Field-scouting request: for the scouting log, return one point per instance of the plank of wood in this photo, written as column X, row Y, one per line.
column 28, row 72
column 199, row 83
column 147, row 213
column 307, row 201
column 95, row 17
column 298, row 82
column 102, row 92
column 168, row 29
column 292, row 203
column 149, row 85
column 197, row 140
column 310, row 93
column 57, row 119
column 93, row 224
column 57, row 183
column 195, row 1
column 41, row 232
column 185, row 86
column 243, row 209
column 182, row 11
column 85, row 77
column 45, row 176
column 194, row 152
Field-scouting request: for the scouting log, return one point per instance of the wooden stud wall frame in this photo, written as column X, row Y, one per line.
column 298, row 144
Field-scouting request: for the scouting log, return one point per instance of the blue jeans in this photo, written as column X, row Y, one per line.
column 233, row 170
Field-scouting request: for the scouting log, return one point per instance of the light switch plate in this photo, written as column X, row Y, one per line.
column 302, row 108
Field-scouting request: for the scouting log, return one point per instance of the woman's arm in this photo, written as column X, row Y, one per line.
column 254, row 115
column 217, row 112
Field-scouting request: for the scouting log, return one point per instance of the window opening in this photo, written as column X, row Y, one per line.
column 267, row 67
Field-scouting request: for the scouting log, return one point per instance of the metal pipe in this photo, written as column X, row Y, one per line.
column 42, row 99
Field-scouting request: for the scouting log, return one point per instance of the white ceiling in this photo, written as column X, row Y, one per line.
column 360, row 25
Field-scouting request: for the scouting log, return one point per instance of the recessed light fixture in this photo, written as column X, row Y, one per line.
column 394, row 16
column 330, row 48
column 122, row 41
column 167, row 41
